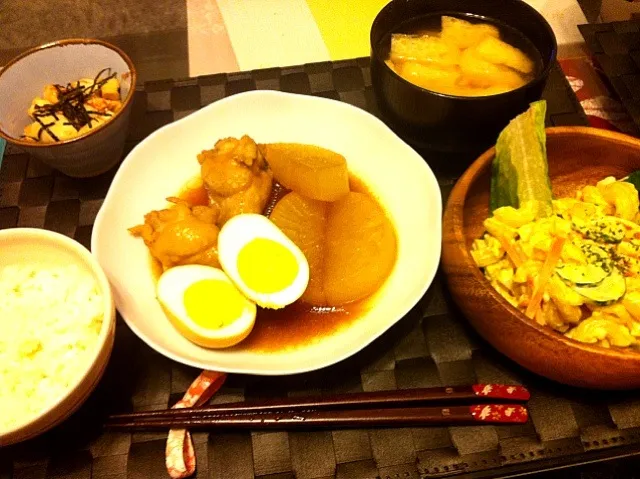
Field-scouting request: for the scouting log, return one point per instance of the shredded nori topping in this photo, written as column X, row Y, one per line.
column 71, row 104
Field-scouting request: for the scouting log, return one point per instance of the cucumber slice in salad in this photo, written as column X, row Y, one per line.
column 582, row 274
column 607, row 229
column 610, row 290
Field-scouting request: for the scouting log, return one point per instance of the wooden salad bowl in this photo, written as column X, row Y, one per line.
column 577, row 156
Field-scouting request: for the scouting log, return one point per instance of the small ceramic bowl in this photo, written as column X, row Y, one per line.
column 447, row 123
column 42, row 248
column 61, row 62
column 577, row 156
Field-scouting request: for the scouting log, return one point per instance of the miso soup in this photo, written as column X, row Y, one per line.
column 462, row 55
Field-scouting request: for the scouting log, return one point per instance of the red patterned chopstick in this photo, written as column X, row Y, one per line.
column 366, row 401
column 396, row 398
column 417, row 416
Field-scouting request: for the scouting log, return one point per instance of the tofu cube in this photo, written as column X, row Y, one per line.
column 430, row 76
column 500, row 53
column 50, row 94
column 483, row 74
column 111, row 89
column 423, row 49
column 463, row 34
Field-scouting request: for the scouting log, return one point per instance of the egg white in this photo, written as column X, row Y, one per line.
column 170, row 293
column 242, row 229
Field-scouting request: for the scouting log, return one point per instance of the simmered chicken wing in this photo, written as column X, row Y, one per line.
column 236, row 176
column 181, row 234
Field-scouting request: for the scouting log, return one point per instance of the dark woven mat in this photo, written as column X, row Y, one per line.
column 616, row 48
column 431, row 346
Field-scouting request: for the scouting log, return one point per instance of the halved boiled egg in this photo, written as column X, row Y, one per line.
column 262, row 261
column 205, row 306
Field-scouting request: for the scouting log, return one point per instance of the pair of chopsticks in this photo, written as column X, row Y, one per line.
column 477, row 404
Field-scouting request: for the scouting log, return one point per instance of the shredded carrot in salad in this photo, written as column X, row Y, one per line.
column 512, row 250
column 545, row 275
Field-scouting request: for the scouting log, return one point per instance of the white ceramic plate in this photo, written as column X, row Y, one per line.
column 161, row 165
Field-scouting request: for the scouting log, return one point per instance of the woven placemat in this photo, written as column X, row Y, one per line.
column 431, row 346
column 616, row 48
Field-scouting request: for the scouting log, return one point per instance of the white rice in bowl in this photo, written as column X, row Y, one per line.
column 50, row 321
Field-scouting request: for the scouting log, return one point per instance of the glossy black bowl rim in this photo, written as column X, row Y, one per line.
column 544, row 73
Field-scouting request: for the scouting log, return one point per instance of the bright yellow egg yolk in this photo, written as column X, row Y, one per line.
column 211, row 303
column 267, row 266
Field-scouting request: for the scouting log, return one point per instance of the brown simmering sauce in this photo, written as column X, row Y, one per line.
column 298, row 323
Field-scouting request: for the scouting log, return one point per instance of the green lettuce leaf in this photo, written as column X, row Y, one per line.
column 520, row 172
